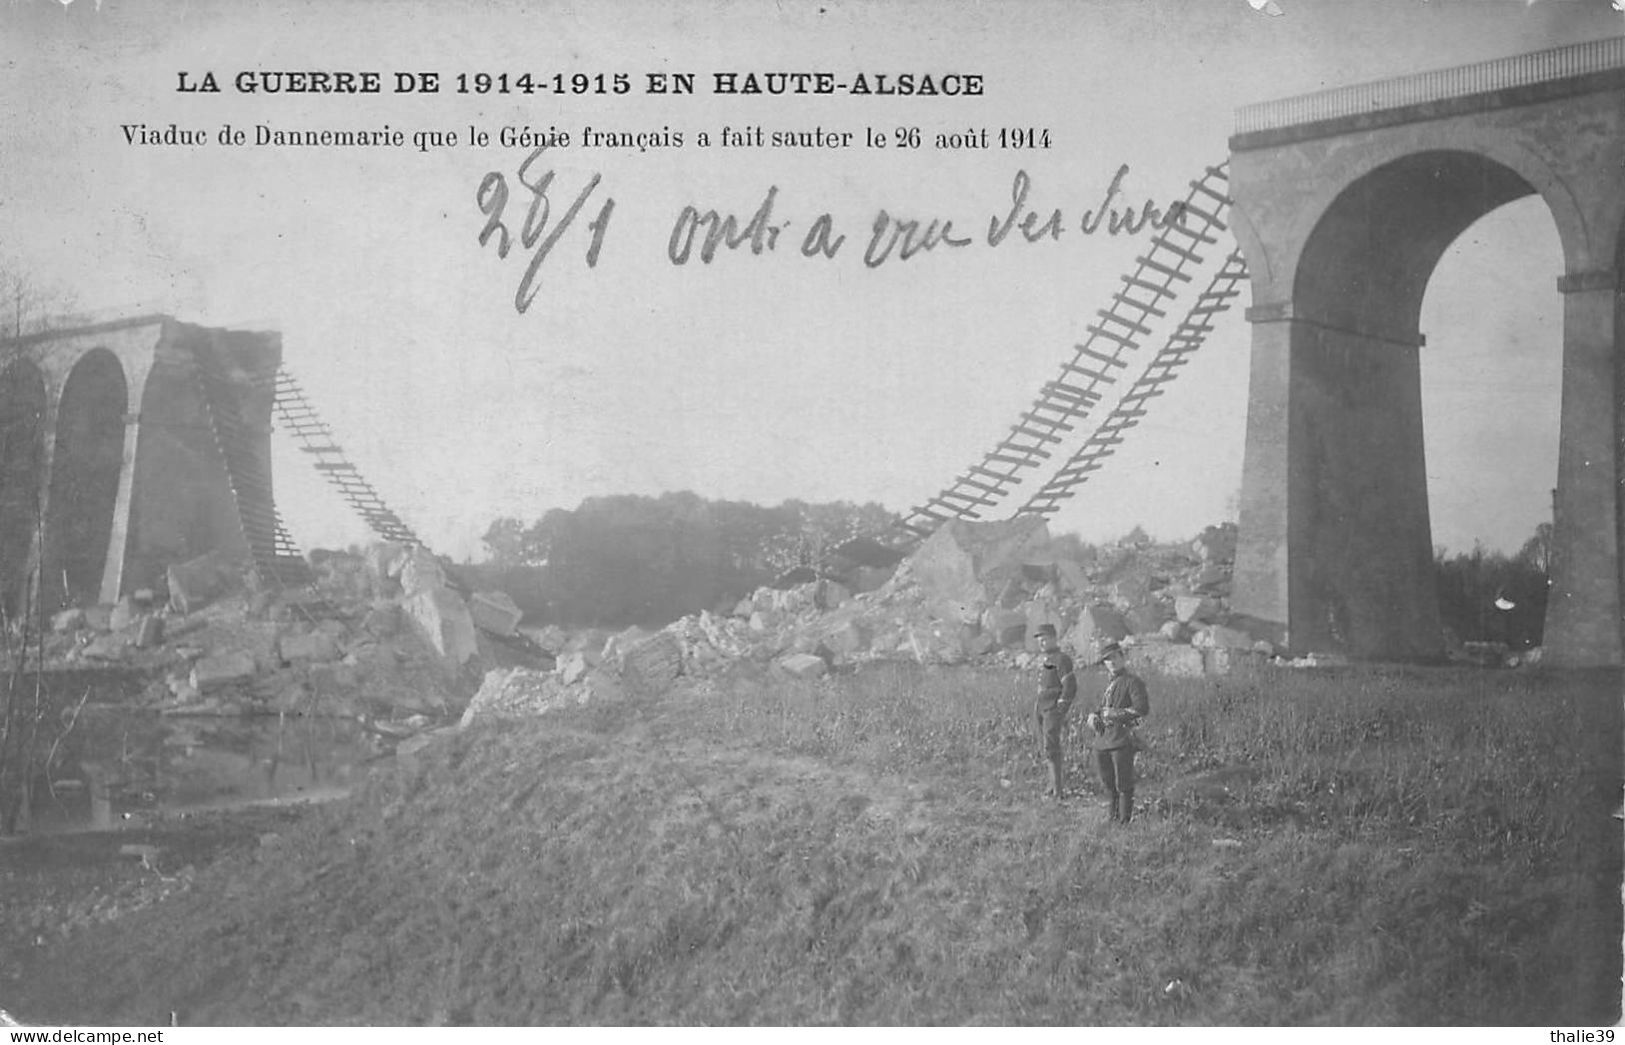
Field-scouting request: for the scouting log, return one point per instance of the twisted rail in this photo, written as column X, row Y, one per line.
column 1174, row 253
column 295, row 414
column 1186, row 338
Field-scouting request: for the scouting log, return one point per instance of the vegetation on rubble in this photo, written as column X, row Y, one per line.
column 1374, row 846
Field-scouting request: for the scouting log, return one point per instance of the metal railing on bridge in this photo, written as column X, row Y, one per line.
column 1522, row 70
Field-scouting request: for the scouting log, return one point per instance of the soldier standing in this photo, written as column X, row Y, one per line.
column 1057, row 689
column 1122, row 707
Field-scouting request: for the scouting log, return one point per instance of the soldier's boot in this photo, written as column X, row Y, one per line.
column 1126, row 813
column 1057, row 776
column 1114, row 808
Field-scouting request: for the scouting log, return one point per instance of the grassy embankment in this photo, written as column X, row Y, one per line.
column 1394, row 847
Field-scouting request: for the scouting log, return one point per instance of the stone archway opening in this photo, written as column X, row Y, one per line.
column 1363, row 576
column 22, row 447
column 1492, row 401
column 86, row 459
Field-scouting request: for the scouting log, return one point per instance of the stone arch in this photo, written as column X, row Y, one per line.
column 1331, row 177
column 1367, row 263
column 86, row 459
column 181, row 503
column 22, row 463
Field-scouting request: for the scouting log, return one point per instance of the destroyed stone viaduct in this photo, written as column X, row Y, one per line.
column 128, row 446
column 1344, row 202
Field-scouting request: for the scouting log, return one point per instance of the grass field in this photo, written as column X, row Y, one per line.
column 1376, row 846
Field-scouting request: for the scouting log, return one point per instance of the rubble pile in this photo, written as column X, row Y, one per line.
column 380, row 636
column 973, row 591
column 385, row 635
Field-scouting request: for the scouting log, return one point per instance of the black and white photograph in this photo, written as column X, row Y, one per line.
column 812, row 514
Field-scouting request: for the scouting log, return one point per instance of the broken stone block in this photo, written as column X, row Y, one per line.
column 654, row 662
column 445, row 623
column 954, row 562
column 1195, row 609
column 761, row 620
column 1144, row 618
column 1008, row 628
column 1043, row 610
column 803, row 666
column 1012, row 594
column 615, row 646
column 1097, row 625
column 722, row 634
column 384, row 561
column 314, row 648
column 572, row 668
column 1174, row 631
column 222, row 669
column 551, row 637
column 1131, row 590
column 421, row 572
column 744, row 608
column 495, row 612
column 517, row 693
column 196, row 583
column 1072, row 576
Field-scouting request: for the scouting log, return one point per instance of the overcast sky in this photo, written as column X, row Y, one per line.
column 755, row 377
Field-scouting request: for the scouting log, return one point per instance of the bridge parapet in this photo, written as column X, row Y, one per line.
column 1431, row 88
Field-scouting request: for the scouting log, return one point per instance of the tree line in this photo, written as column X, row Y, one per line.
column 633, row 559
column 1489, row 596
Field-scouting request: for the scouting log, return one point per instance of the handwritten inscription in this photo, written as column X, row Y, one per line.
column 535, row 235
column 710, row 232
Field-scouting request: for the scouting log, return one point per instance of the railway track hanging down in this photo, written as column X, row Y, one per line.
column 295, row 415
column 1083, row 380
column 1186, row 338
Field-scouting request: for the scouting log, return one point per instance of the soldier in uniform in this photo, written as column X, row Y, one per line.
column 1122, row 707
column 1057, row 689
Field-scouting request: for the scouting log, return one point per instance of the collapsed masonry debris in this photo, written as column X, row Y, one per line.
column 385, row 636
column 973, row 591
column 380, row 636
